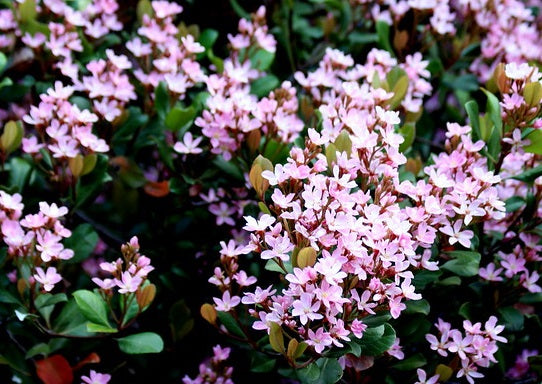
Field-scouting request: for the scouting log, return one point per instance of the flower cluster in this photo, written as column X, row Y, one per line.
column 108, row 86
column 64, row 130
column 35, row 239
column 214, row 370
column 475, row 348
column 507, row 30
column 128, row 275
column 521, row 366
column 234, row 115
column 335, row 68
column 160, row 54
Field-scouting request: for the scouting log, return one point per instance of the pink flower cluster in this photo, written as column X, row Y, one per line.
column 34, row 239
column 460, row 190
column 507, row 29
column 476, row 347
column 96, row 20
column 9, row 29
column 234, row 114
column 214, row 370
column 519, row 261
column 64, row 130
column 335, row 68
column 160, row 54
column 108, row 86
column 128, row 275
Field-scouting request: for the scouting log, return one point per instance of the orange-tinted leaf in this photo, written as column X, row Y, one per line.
column 54, row 370
column 157, row 188
column 92, row 358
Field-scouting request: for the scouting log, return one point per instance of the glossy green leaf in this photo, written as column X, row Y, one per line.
column 145, row 342
column 82, row 241
column 92, row 306
column 535, row 145
column 263, row 85
column 463, row 263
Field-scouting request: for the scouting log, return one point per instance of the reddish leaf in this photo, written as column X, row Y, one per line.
column 54, row 370
column 157, row 188
column 92, row 358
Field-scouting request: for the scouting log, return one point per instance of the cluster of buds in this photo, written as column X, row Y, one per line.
column 473, row 349
column 160, row 54
column 128, row 274
column 34, row 240
column 213, row 370
column 521, row 92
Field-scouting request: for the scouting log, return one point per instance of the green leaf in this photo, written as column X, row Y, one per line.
column 262, row 59
column 450, row 281
column 19, row 173
column 417, row 306
column 161, row 100
column 423, row 278
column 97, row 328
column 229, row 322
column 323, row 371
column 146, row 342
column 92, row 306
column 180, row 119
column 383, row 32
column 529, row 175
column 89, row 186
column 361, row 38
column 473, row 112
column 493, row 108
column 531, row 298
column 228, row 167
column 377, row 320
column 239, row 10
column 125, row 132
column 408, row 131
column 535, row 146
column 464, row 263
column 466, row 83
column 82, row 241
column 70, row 321
column 512, row 318
column 263, row 85
column 261, row 363
column 208, row 37
column 8, row 298
column 514, row 203
column 38, row 349
column 48, row 299
column 3, row 61
column 27, row 11
column 376, row 341
column 410, row 364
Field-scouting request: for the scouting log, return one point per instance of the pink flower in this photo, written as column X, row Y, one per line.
column 128, row 283
column 422, row 378
column 456, row 235
column 188, row 145
column 96, row 378
column 227, row 303
column 48, row 279
column 319, row 339
column 306, row 309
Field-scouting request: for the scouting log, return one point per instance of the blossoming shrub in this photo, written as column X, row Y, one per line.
column 339, row 191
